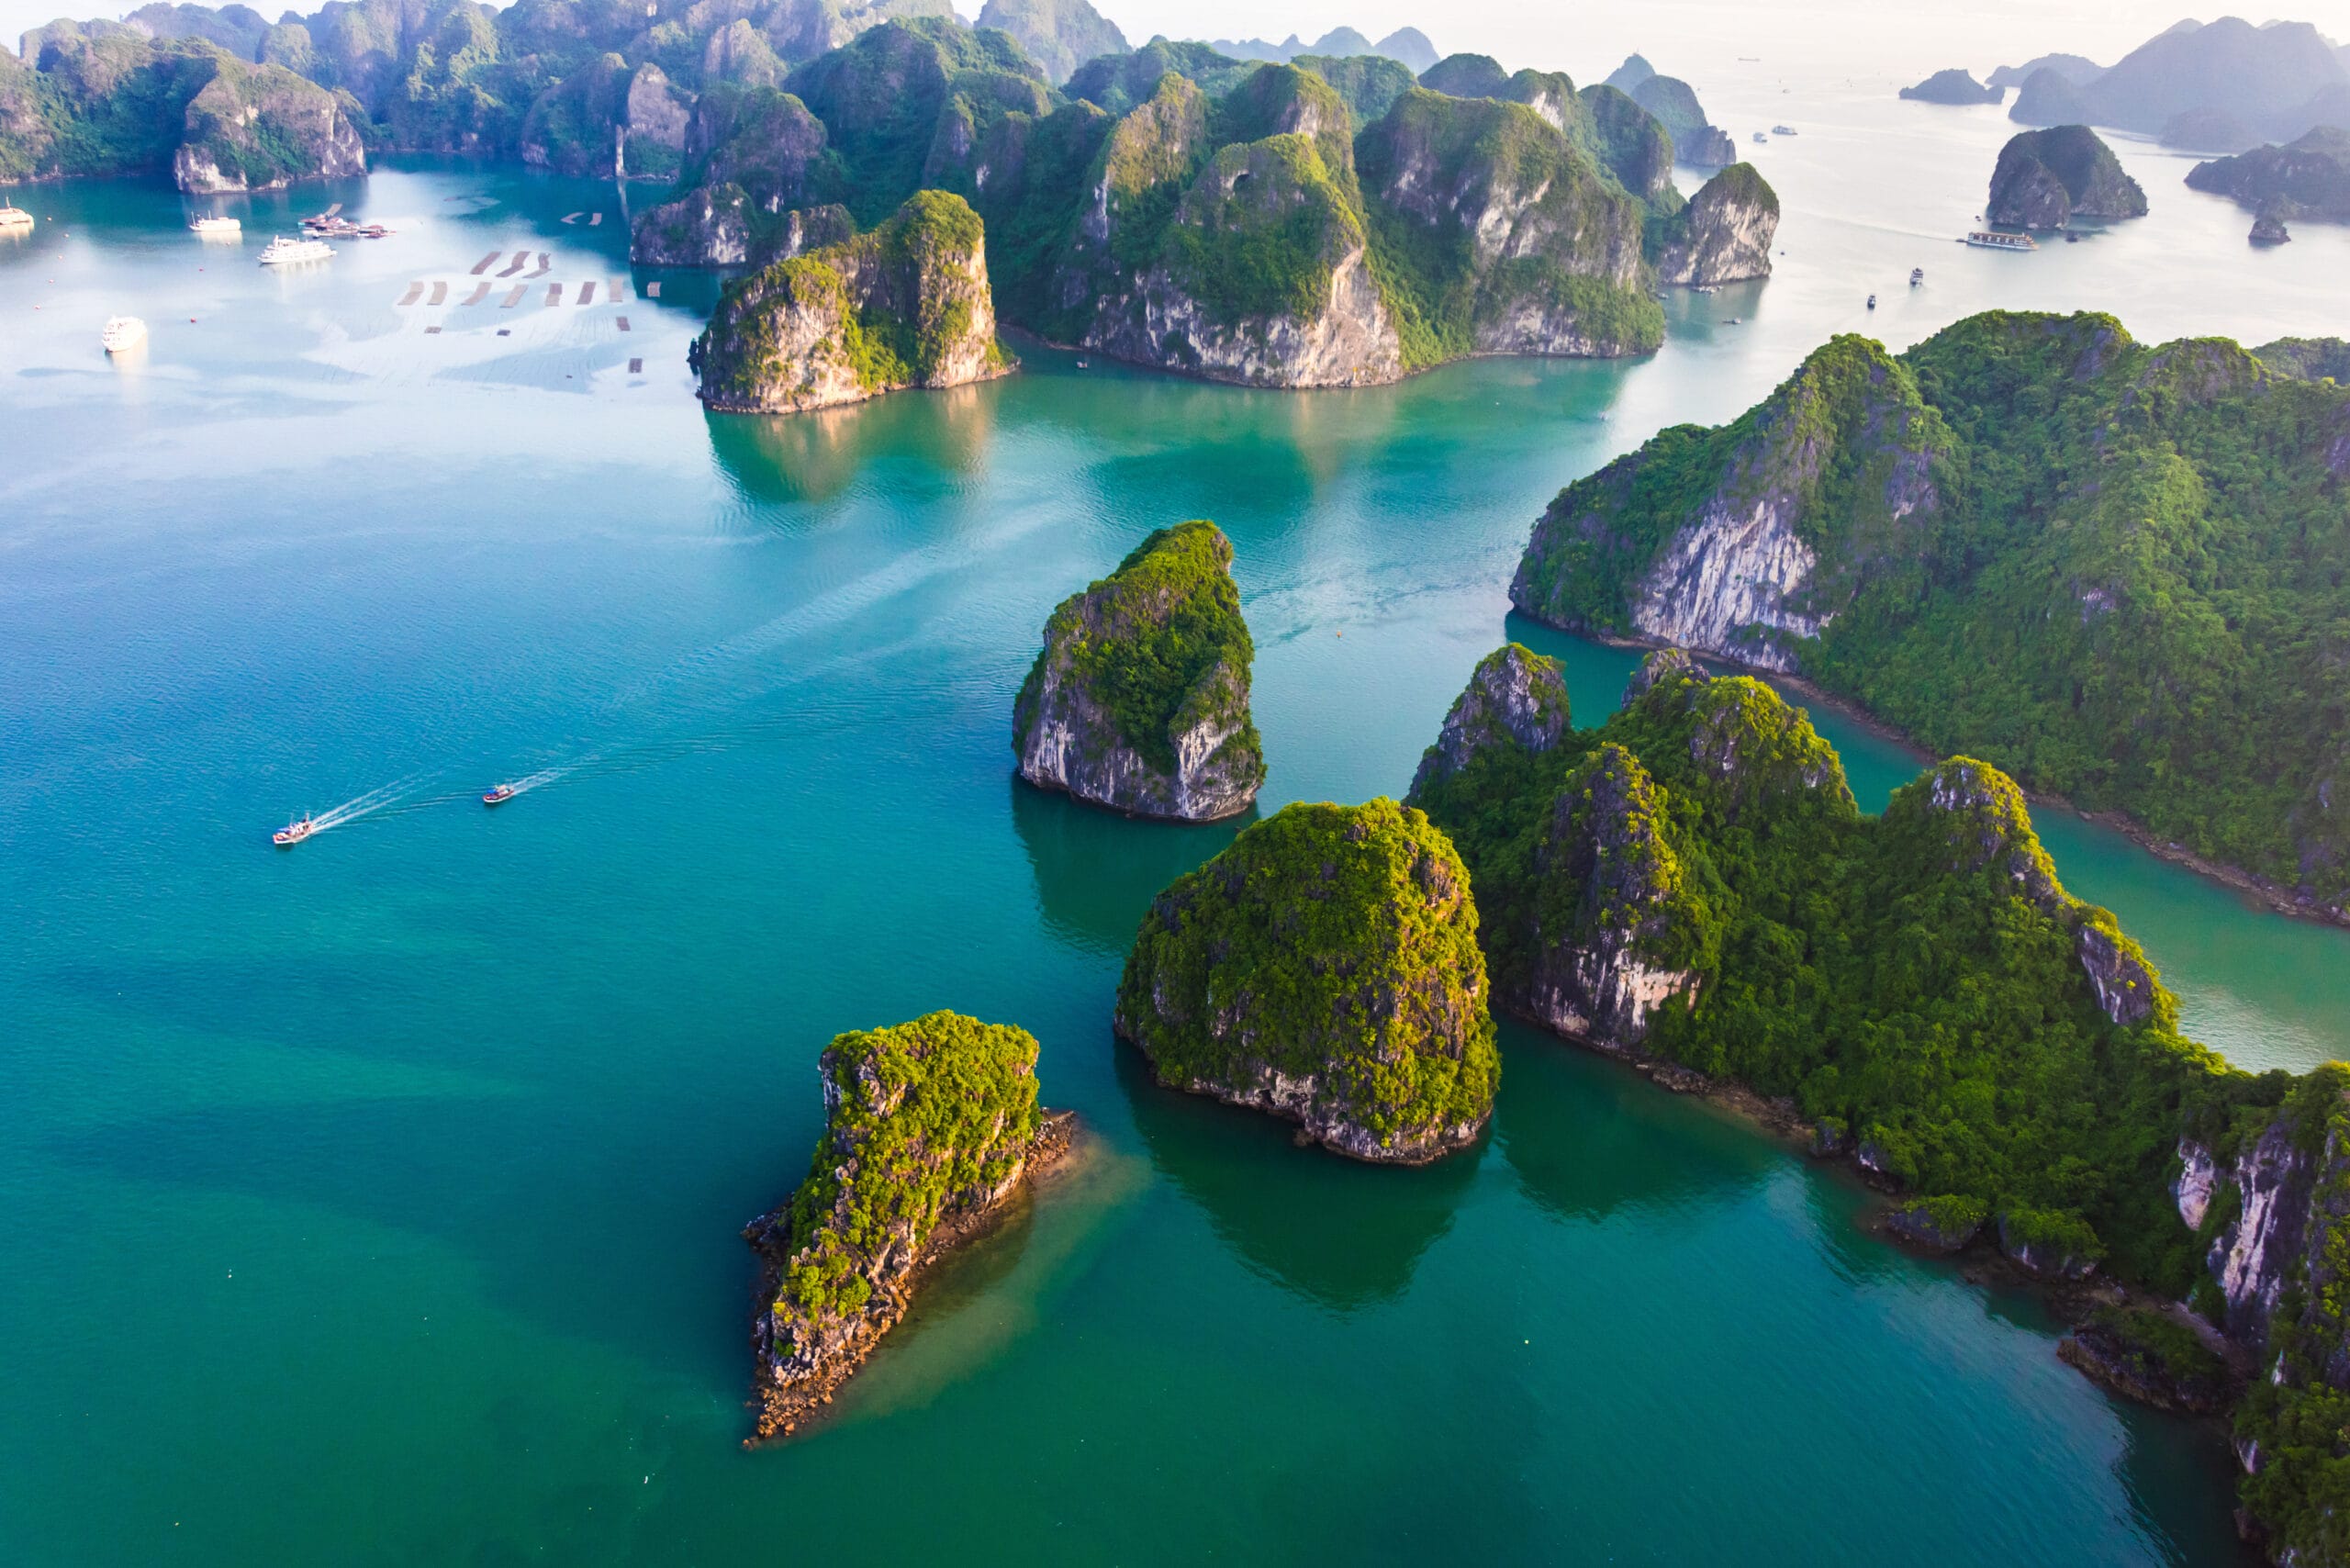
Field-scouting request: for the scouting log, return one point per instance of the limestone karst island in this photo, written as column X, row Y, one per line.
column 889, row 781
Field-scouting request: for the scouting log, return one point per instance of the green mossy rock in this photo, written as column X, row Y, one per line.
column 904, row 305
column 1723, row 235
column 1139, row 699
column 929, row 1126
column 1324, row 967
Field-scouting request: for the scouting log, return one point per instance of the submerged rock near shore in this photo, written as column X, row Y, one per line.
column 905, row 305
column 929, row 1128
column 1139, row 700
column 1724, row 234
column 1324, row 967
column 2046, row 178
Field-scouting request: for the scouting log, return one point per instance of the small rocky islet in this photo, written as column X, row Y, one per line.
column 931, row 1127
column 2045, row 179
column 1138, row 701
column 1324, row 967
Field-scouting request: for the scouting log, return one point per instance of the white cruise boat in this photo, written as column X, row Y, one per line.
column 282, row 252
column 122, row 333
column 14, row 220
column 216, row 225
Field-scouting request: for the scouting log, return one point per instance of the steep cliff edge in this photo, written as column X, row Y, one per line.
column 260, row 128
column 1498, row 234
column 1139, row 700
column 1714, row 540
column 2045, row 179
column 905, row 305
column 1323, row 968
column 1724, row 234
column 1261, row 274
column 929, row 1129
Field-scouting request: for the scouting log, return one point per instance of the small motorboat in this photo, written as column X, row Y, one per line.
column 122, row 333
column 499, row 796
column 1917, row 276
column 293, row 832
column 1872, row 301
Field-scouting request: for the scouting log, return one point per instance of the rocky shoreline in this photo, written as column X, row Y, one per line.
column 795, row 1408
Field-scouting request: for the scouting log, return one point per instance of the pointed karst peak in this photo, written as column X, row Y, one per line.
column 1515, row 697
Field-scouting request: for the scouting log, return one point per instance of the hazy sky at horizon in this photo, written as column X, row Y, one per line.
column 1898, row 38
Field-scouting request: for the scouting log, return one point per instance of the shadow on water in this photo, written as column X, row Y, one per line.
column 980, row 1300
column 1587, row 1137
column 1097, row 872
column 795, row 459
column 1334, row 1231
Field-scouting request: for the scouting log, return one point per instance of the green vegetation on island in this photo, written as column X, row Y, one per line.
column 929, row 1125
column 906, row 305
column 1323, row 968
column 1691, row 884
column 2108, row 568
column 1139, row 699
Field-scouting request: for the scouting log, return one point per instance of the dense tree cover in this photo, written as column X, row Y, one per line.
column 1918, row 979
column 1326, row 963
column 2116, row 571
column 1159, row 645
column 924, row 1119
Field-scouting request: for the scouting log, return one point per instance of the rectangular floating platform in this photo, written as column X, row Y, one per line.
column 522, row 259
column 653, row 290
column 617, row 290
column 514, row 296
column 505, row 332
column 572, row 217
column 554, row 294
column 588, row 292
column 484, row 265
column 636, row 367
column 624, row 323
column 415, row 292
column 440, row 295
column 544, row 265
column 431, row 329
column 480, row 293
column 594, row 218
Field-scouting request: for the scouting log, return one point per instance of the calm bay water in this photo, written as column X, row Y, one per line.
column 375, row 1202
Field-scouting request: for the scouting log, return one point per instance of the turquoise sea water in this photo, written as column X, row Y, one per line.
column 376, row 1202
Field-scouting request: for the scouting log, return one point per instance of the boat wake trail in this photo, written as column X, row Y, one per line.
column 548, row 774
column 368, row 804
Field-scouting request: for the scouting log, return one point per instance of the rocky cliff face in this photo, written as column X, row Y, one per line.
column 1307, row 313
column 261, row 127
column 929, row 1128
column 706, row 228
column 1059, row 34
column 905, row 305
column 1139, row 701
column 2046, row 178
column 1553, row 249
column 1724, row 234
column 1324, row 967
column 1741, row 577
column 2310, row 177
column 1514, row 697
column 1606, row 912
